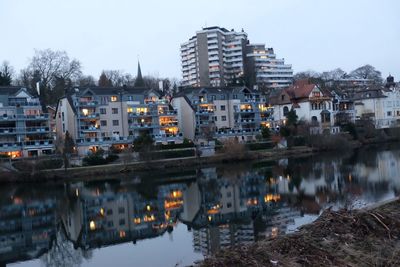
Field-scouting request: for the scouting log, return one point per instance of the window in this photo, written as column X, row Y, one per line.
column 282, row 97
column 222, row 107
column 285, row 111
column 389, row 113
column 213, row 97
column 229, row 194
column 223, row 118
column 110, row 224
column 114, row 111
column 130, row 98
column 121, row 210
column 62, row 114
column 115, row 122
column 114, row 98
column 103, row 123
column 229, row 205
column 122, row 222
column 103, row 111
column 215, row 118
column 235, row 96
column 109, row 212
column 222, row 97
column 63, row 125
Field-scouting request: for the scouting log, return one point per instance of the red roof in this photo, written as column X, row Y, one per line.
column 300, row 89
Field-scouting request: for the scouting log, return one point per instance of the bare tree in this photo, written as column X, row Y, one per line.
column 367, row 72
column 333, row 75
column 86, row 81
column 49, row 65
column 306, row 75
column 118, row 78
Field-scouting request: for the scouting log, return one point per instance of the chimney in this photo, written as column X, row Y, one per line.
column 38, row 87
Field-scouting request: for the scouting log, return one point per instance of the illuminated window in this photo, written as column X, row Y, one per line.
column 130, row 110
column 113, row 98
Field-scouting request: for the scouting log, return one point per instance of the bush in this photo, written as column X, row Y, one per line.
column 172, row 154
column 28, row 165
column 97, row 158
column 175, row 146
column 329, row 142
column 234, row 150
column 259, row 146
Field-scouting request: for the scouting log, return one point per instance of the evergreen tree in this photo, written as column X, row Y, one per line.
column 104, row 81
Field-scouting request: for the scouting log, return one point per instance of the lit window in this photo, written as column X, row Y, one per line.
column 113, row 98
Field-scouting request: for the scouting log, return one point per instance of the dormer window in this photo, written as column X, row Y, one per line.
column 282, row 97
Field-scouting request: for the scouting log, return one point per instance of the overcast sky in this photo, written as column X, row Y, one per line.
column 309, row 34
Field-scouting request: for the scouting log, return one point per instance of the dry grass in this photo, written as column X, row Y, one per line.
column 337, row 238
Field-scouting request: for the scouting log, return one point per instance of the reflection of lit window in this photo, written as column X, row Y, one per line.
column 113, row 98
column 122, row 234
column 148, row 208
column 92, row 225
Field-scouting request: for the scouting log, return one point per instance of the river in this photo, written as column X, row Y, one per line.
column 177, row 217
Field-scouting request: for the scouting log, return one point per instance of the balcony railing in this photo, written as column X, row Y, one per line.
column 104, row 140
column 88, row 103
column 90, row 128
column 89, row 116
column 141, row 114
column 167, row 113
column 319, row 98
column 38, row 143
column 166, row 124
column 141, row 126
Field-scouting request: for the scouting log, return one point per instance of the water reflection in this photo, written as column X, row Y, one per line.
column 220, row 206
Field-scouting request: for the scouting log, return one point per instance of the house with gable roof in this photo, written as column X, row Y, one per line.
column 310, row 102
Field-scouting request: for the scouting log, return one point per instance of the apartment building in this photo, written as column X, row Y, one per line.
column 265, row 70
column 214, row 56
column 221, row 112
column 218, row 57
column 98, row 117
column 24, row 127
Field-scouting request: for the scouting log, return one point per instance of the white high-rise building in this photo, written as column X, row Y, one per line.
column 218, row 57
column 264, row 69
column 214, row 56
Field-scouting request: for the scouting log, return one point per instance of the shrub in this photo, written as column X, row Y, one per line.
column 172, row 154
column 234, row 150
column 329, row 142
column 175, row 146
column 259, row 146
column 28, row 165
column 97, row 158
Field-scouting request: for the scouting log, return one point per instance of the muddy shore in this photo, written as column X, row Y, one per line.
column 365, row 237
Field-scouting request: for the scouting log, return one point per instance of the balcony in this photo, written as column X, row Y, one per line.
column 30, row 117
column 245, row 121
column 236, row 132
column 142, row 126
column 8, row 131
column 38, row 143
column 43, row 129
column 89, row 116
column 88, row 103
column 141, row 114
column 91, row 128
column 245, row 111
column 169, row 124
column 167, row 113
column 10, row 146
column 205, row 112
column 104, row 140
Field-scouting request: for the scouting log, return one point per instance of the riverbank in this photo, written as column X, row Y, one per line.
column 99, row 171
column 365, row 237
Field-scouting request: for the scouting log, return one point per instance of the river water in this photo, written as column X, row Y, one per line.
column 177, row 217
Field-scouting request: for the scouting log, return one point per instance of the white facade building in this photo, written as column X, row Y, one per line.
column 264, row 69
column 214, row 56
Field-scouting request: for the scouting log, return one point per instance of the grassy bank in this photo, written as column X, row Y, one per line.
column 367, row 237
column 99, row 171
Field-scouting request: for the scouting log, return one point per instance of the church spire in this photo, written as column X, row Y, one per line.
column 139, row 82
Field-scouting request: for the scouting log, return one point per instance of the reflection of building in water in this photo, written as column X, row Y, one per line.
column 221, row 209
column 210, row 239
column 26, row 229
column 100, row 217
column 278, row 223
